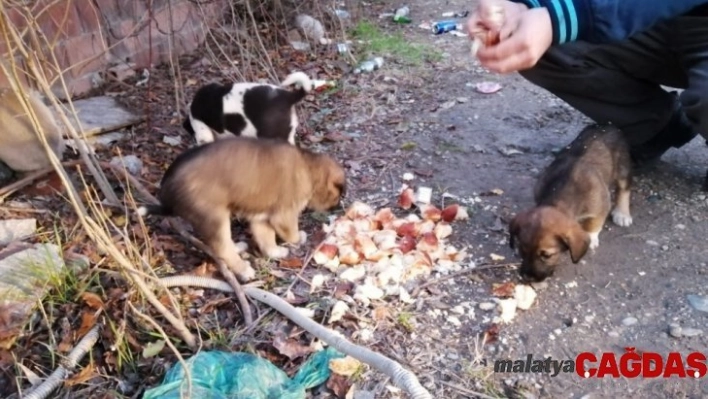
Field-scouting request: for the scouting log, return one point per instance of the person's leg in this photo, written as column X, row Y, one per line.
column 693, row 32
column 620, row 84
column 693, row 42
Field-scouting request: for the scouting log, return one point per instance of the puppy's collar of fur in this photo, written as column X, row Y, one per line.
column 298, row 78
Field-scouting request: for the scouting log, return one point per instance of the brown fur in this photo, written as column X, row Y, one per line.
column 265, row 182
column 20, row 147
column 573, row 200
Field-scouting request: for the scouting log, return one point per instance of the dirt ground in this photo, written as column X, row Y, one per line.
column 625, row 295
column 485, row 151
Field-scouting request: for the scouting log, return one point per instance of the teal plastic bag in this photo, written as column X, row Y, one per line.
column 224, row 375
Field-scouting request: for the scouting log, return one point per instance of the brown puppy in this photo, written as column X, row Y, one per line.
column 573, row 200
column 266, row 182
column 20, row 147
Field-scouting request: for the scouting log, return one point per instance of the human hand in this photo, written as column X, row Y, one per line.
column 520, row 40
column 485, row 23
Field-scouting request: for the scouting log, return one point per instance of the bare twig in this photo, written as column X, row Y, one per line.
column 169, row 343
column 223, row 269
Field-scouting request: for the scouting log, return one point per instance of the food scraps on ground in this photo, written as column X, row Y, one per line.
column 515, row 296
column 379, row 251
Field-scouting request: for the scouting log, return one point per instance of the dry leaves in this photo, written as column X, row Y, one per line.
column 291, row 348
column 92, row 300
column 339, row 385
column 82, row 376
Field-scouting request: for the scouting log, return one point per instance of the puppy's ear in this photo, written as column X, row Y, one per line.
column 514, row 230
column 577, row 241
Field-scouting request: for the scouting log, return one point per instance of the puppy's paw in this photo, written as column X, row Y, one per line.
column 240, row 247
column 621, row 218
column 246, row 273
column 594, row 240
column 277, row 252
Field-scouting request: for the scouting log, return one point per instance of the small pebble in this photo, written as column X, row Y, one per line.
column 454, row 321
column 630, row 321
column 652, row 243
column 487, row 306
column 692, row 332
column 697, row 302
column 664, row 247
column 458, row 309
column 675, row 331
column 172, row 141
column 681, row 227
column 613, row 334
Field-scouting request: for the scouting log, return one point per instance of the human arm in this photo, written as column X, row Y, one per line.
column 602, row 21
column 530, row 27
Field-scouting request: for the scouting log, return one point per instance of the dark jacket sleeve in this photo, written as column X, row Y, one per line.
column 602, row 21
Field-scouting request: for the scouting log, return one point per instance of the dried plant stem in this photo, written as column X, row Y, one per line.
column 223, row 269
column 68, row 364
column 169, row 343
column 400, row 376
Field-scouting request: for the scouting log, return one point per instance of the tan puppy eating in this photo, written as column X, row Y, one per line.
column 573, row 201
column 265, row 182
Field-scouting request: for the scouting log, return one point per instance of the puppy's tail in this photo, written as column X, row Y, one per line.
column 157, row 210
column 304, row 83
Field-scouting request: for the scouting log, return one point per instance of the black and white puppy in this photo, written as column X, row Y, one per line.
column 248, row 109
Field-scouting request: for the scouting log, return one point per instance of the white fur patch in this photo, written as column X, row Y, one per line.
column 299, row 78
column 294, row 124
column 202, row 133
column 594, row 240
column 233, row 104
column 621, row 219
column 278, row 252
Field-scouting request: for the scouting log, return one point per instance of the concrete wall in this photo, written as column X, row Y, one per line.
column 90, row 36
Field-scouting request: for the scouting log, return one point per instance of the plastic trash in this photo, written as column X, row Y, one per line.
column 370, row 65
column 454, row 14
column 445, row 26
column 343, row 14
column 224, row 375
column 401, row 15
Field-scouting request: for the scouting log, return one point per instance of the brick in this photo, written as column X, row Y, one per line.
column 89, row 16
column 134, row 9
column 75, row 86
column 126, row 49
column 189, row 40
column 124, row 29
column 16, row 17
column 86, row 53
column 59, row 21
column 5, row 81
column 106, row 7
column 180, row 15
